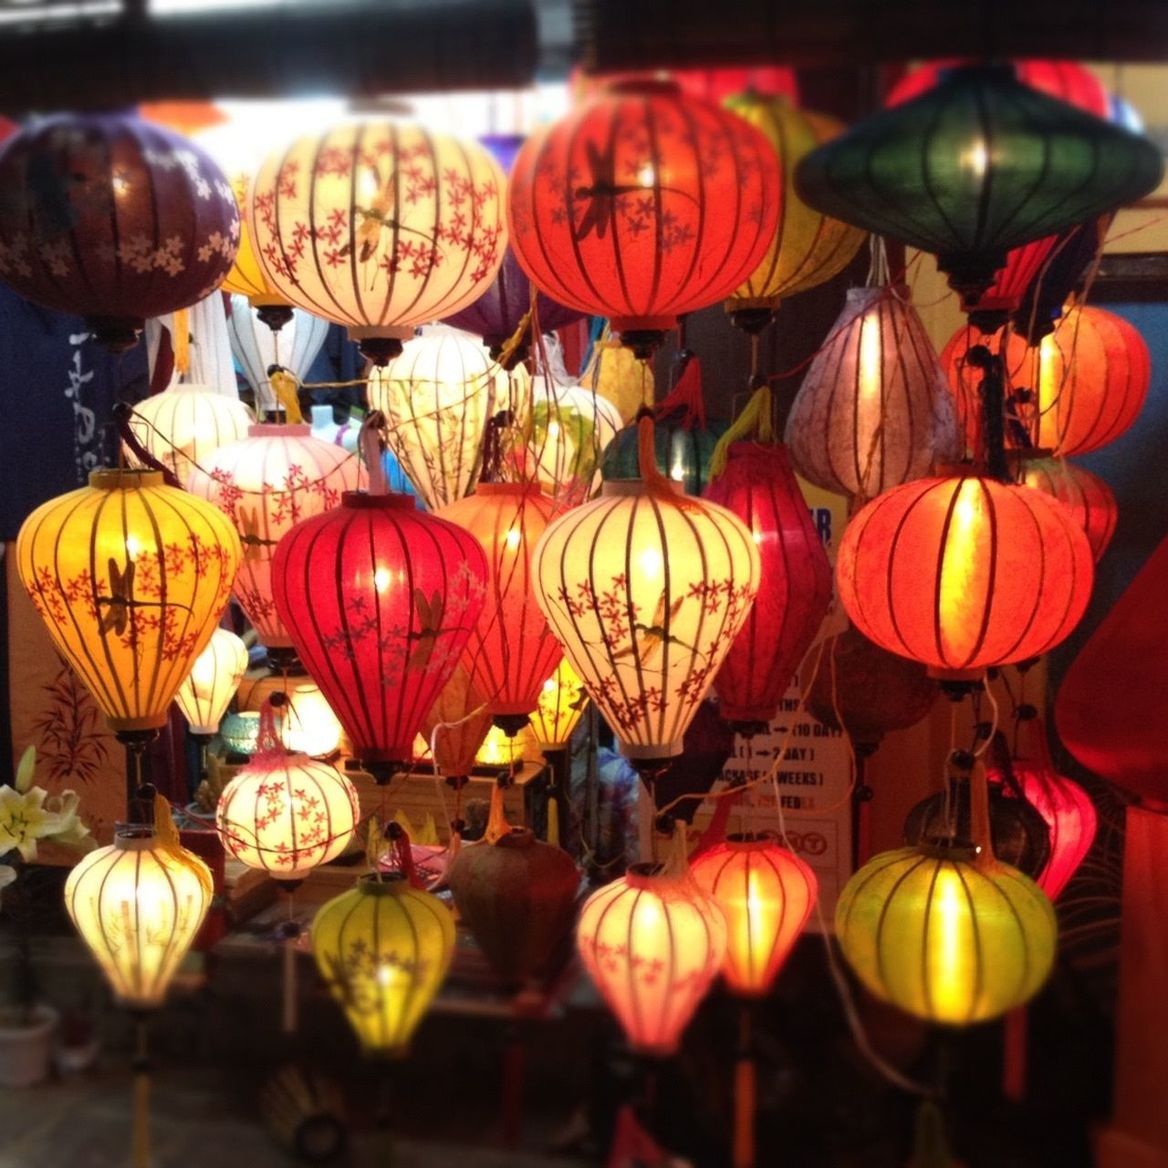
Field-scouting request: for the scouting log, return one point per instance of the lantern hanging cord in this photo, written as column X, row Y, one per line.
column 371, row 444
column 124, row 417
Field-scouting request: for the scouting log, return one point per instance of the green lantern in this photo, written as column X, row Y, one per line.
column 683, row 453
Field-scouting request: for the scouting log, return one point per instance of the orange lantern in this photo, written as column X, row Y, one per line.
column 457, row 742
column 1086, row 494
column 964, row 573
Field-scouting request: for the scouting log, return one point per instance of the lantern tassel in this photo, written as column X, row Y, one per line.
column 686, row 396
column 283, row 386
column 497, row 825
column 756, row 418
column 140, row 1139
column 745, row 1094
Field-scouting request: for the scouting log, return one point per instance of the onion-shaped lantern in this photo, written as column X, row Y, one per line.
column 130, row 577
column 562, row 699
column 873, row 410
column 1086, row 494
column 383, row 949
column 380, row 600
column 379, row 227
column 964, row 573
column 211, row 684
column 641, row 205
column 653, row 943
column 766, row 893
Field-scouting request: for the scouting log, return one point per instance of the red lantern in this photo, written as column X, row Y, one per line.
column 642, row 205
column 113, row 218
column 1086, row 494
column 379, row 599
column 964, row 573
column 759, row 486
column 1023, row 263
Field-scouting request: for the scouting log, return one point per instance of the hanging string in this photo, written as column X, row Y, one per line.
column 371, row 445
column 124, row 414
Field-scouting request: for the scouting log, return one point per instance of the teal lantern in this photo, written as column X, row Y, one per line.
column 683, row 453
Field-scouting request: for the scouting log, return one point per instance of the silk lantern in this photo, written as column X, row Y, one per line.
column 653, row 943
column 873, row 410
column 380, row 600
column 964, row 573
column 383, row 949
column 380, row 227
column 558, row 711
column 308, row 724
column 766, row 893
column 1087, row 495
column 277, row 476
column 114, row 219
column 129, row 576
column 467, row 721
column 256, row 348
column 211, row 684
column 683, row 449
column 642, row 205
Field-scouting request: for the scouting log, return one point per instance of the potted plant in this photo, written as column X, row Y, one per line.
column 28, row 815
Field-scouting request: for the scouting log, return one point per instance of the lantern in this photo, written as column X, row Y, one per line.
column 759, row 487
column 138, row 905
column 308, row 724
column 809, row 248
column 380, row 600
column 873, row 411
column 766, row 893
column 379, row 227
column 964, row 573
column 646, row 592
column 615, row 373
column 1086, row 494
column 457, row 742
column 642, row 205
column 436, row 398
column 557, row 712
column 500, row 749
column 112, row 218
column 511, row 651
column 211, row 684
column 653, row 944
column 277, row 476
column 976, row 166
column 1023, row 265
column 1073, row 255
column 256, row 348
column 383, row 948
column 129, row 576
column 944, row 936
column 683, row 452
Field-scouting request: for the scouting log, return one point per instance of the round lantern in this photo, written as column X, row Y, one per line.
column 944, row 936
column 114, row 219
column 646, row 592
column 1086, row 494
column 211, row 684
column 809, row 247
column 380, row 600
column 138, row 905
column 383, row 949
column 683, row 452
column 766, row 893
column 561, row 703
column 1060, row 277
column 759, row 487
column 130, row 576
column 308, row 724
column 436, row 398
column 458, row 741
column 873, row 410
column 511, row 651
column 379, row 226
column 642, row 205
column 277, row 476
column 964, row 573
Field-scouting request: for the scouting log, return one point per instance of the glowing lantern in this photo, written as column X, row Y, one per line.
column 1086, row 494
column 184, row 424
column 1023, row 264
column 944, row 936
column 964, row 573
column 383, row 948
column 277, row 476
column 114, row 219
column 653, row 944
column 561, row 703
column 380, row 600
column 138, row 905
column 766, row 893
column 130, row 576
column 873, row 411
column 500, row 749
column 642, row 205
column 308, row 724
column 683, row 451
column 215, row 676
column 457, row 742
column 436, row 398
column 615, row 373
column 379, row 227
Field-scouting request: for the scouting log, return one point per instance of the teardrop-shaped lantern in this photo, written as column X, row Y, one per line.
column 130, row 577
column 463, row 719
column 562, row 699
column 307, row 724
column 380, row 600
column 257, row 348
column 211, row 684
column 383, row 949
column 873, row 410
column 1086, row 494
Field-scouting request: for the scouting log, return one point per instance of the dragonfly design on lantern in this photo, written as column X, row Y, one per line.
column 649, row 638
column 373, row 219
column 121, row 602
column 253, row 543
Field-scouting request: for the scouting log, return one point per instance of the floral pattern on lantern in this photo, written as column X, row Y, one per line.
column 1086, row 494
column 562, row 699
column 211, row 684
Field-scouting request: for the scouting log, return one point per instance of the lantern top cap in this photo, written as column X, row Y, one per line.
column 279, row 430
column 956, row 851
column 618, row 487
column 390, row 501
column 508, row 489
column 752, row 841
column 998, row 70
column 642, row 87
column 383, row 884
column 124, row 478
column 134, row 837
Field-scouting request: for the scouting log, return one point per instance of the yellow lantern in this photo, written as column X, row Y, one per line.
column 212, row 682
column 946, row 935
column 383, row 947
column 138, row 905
column 615, row 373
column 130, row 576
column 308, row 724
column 499, row 749
column 561, row 703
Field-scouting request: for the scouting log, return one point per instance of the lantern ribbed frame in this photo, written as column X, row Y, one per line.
column 130, row 577
column 215, row 675
column 946, row 938
column 380, row 600
column 276, row 477
column 1086, row 494
column 873, row 410
column 653, row 944
column 759, row 486
column 964, row 573
column 643, row 204
column 562, row 699
column 383, row 949
column 458, row 742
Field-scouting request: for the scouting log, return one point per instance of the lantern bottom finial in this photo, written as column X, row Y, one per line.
column 643, row 342
column 116, row 333
column 750, row 320
column 510, row 724
column 275, row 316
column 380, row 350
column 284, row 659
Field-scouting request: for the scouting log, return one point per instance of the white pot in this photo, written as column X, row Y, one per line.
column 25, row 1050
